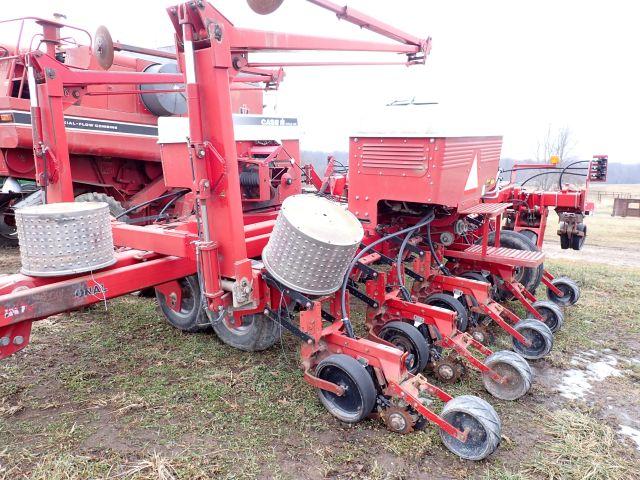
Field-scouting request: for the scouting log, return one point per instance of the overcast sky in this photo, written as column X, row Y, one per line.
column 510, row 67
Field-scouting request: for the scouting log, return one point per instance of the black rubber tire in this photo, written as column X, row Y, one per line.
column 531, row 235
column 449, row 302
column 474, row 317
column 538, row 334
column 256, row 334
column 477, row 276
column 360, row 396
column 552, row 314
column 577, row 241
column 475, row 415
column 8, row 234
column 115, row 207
column 532, row 276
column 192, row 317
column 514, row 369
column 565, row 242
column 570, row 290
column 408, row 338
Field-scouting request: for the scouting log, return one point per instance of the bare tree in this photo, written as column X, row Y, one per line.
column 556, row 142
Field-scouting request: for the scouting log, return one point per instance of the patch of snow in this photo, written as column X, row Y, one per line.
column 576, row 383
column 632, row 433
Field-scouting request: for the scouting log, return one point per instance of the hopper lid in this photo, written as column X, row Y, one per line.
column 322, row 219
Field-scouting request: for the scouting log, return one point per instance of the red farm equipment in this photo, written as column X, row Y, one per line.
column 207, row 257
column 112, row 136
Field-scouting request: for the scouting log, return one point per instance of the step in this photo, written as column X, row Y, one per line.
column 501, row 255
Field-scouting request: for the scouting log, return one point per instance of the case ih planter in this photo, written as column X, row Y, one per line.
column 206, row 266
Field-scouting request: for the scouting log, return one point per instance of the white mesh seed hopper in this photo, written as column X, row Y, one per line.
column 59, row 239
column 312, row 244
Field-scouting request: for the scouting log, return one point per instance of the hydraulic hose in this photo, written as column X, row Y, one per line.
column 549, row 173
column 427, row 218
column 148, row 202
column 568, row 168
column 343, row 296
column 434, row 254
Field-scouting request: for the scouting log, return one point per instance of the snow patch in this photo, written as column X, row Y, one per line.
column 594, row 368
column 632, row 433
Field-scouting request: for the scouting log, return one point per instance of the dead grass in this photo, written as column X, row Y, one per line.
column 580, row 447
column 120, row 394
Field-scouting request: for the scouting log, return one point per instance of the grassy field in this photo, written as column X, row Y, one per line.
column 117, row 393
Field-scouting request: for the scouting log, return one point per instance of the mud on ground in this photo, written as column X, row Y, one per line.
column 117, row 393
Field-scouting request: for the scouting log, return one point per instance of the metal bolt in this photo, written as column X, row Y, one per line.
column 201, row 153
column 4, row 341
column 18, row 340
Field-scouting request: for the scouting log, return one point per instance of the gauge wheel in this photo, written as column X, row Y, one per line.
column 359, row 396
column 449, row 302
column 408, row 338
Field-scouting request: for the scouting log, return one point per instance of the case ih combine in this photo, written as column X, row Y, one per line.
column 230, row 243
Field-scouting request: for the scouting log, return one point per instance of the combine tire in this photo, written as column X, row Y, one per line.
column 570, row 292
column 408, row 338
column 475, row 416
column 257, row 333
column 551, row 314
column 449, row 302
column 538, row 334
column 515, row 371
column 530, row 277
column 115, row 207
column 360, row 392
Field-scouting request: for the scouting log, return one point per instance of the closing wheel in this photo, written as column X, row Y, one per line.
column 479, row 420
column 408, row 338
column 449, row 302
column 570, row 292
column 359, row 396
column 191, row 317
column 515, row 372
column 551, row 314
column 256, row 333
column 538, row 334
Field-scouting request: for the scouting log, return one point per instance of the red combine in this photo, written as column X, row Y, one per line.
column 112, row 136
